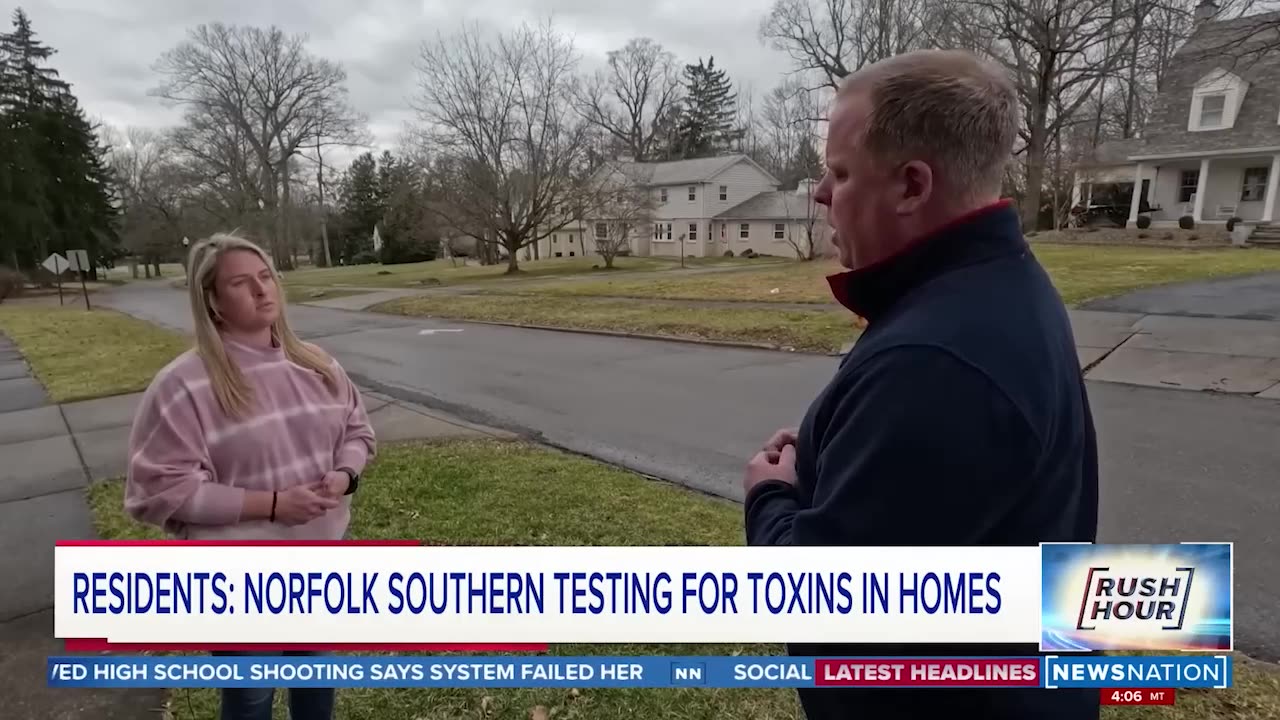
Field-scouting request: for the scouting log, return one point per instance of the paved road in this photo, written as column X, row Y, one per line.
column 1255, row 297
column 1176, row 465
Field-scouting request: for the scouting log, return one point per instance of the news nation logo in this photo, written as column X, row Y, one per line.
column 1136, row 597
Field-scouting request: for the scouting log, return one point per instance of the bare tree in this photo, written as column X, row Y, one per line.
column 627, row 100
column 273, row 95
column 1059, row 52
column 622, row 207
column 494, row 112
column 151, row 184
column 829, row 39
column 805, row 239
column 790, row 118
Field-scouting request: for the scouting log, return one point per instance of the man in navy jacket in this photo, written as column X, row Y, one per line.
column 960, row 417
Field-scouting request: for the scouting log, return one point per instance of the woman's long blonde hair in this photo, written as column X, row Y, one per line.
column 233, row 392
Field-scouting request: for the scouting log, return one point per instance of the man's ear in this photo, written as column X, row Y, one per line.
column 916, row 179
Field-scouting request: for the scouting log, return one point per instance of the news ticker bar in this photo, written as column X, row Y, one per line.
column 1129, row 673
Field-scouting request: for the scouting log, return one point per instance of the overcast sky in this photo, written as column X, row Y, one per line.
column 106, row 48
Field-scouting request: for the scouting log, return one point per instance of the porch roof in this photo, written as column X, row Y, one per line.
column 1207, row 153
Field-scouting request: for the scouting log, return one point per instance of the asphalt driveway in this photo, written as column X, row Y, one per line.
column 1253, row 297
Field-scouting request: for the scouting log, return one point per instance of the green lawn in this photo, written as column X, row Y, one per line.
column 819, row 330
column 511, row 493
column 1081, row 273
column 445, row 272
column 79, row 355
column 304, row 293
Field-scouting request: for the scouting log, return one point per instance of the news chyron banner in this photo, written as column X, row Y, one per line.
column 347, row 596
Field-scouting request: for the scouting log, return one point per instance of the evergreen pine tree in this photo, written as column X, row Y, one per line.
column 706, row 123
column 57, row 191
column 27, row 89
column 25, row 83
column 360, row 209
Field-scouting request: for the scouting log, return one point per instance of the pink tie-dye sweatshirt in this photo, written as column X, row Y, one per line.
column 190, row 464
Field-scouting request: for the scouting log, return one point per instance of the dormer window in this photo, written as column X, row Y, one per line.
column 1216, row 100
column 1212, row 110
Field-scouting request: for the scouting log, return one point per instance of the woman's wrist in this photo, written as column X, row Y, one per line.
column 258, row 504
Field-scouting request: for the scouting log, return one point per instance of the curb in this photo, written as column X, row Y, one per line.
column 636, row 336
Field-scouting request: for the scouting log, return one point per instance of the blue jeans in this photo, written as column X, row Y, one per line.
column 255, row 703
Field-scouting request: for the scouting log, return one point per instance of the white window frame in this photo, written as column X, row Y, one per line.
column 602, row 231
column 1221, row 112
column 1259, row 185
column 744, row 231
column 662, row 194
column 724, row 192
column 1194, row 174
column 779, row 231
column 693, row 193
column 693, row 231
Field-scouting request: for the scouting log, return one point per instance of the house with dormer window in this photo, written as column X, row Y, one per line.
column 1211, row 148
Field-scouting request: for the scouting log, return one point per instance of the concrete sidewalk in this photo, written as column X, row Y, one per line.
column 48, row 456
column 1185, row 353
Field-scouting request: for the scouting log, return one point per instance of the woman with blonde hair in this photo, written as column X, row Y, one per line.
column 252, row 434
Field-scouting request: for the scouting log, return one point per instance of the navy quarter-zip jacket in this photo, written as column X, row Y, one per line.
column 959, row 418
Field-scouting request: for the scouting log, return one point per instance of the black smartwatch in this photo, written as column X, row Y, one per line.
column 353, row 480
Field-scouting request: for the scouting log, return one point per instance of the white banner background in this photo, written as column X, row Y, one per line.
column 1018, row 619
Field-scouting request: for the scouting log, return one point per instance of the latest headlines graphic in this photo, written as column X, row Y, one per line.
column 267, row 597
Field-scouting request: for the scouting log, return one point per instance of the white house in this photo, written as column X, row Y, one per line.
column 1211, row 149
column 704, row 207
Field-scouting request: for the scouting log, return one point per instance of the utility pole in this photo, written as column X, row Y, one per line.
column 324, row 220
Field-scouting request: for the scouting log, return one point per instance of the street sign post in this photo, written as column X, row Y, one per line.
column 57, row 265
column 79, row 260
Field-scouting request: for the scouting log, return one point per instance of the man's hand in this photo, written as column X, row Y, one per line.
column 335, row 483
column 301, row 504
column 781, row 439
column 770, row 465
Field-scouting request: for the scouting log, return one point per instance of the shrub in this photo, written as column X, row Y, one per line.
column 748, row 253
column 1231, row 224
column 364, row 257
column 728, row 253
column 384, row 272
column 1144, row 222
column 12, row 283
column 1186, row 222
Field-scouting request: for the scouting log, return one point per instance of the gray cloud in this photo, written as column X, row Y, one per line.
column 107, row 49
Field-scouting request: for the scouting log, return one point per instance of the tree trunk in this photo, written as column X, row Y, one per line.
column 282, row 219
column 1131, row 99
column 1035, row 169
column 513, row 260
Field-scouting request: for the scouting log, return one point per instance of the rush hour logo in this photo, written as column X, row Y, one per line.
column 1156, row 599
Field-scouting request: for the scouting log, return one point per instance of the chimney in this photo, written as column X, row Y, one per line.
column 1206, row 10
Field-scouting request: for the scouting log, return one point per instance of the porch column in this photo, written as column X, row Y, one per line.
column 1136, row 202
column 1273, row 179
column 1202, row 184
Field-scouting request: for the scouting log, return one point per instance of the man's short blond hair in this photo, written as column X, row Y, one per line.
column 945, row 107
